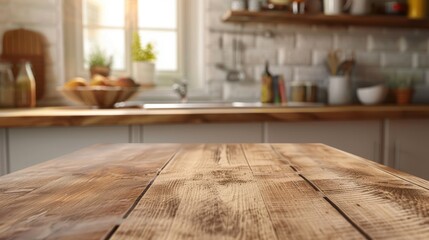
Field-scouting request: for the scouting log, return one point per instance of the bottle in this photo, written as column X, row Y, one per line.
column 280, row 5
column 7, row 86
column 25, row 87
column 267, row 85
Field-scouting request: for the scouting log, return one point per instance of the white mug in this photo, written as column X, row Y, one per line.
column 359, row 7
column 333, row 7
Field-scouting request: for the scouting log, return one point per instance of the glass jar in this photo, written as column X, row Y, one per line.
column 7, row 86
column 25, row 87
column 238, row 5
column 297, row 92
column 311, row 92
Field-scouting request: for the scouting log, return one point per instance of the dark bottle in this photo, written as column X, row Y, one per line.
column 266, row 85
column 25, row 87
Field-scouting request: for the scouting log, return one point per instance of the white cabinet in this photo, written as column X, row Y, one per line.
column 204, row 133
column 29, row 146
column 362, row 138
column 408, row 146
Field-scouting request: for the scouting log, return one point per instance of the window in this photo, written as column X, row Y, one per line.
column 110, row 24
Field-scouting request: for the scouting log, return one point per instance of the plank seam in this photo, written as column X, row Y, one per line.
column 361, row 231
column 262, row 197
column 317, row 189
column 136, row 202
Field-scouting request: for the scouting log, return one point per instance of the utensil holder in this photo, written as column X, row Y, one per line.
column 339, row 90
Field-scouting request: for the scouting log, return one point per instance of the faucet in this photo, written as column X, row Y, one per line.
column 181, row 88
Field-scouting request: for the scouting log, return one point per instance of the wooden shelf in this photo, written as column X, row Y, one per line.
column 341, row 20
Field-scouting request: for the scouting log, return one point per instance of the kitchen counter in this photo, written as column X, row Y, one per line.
column 212, row 191
column 77, row 116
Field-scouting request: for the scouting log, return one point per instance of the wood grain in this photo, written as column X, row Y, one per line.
column 79, row 196
column 213, row 191
column 338, row 20
column 81, row 116
column 375, row 199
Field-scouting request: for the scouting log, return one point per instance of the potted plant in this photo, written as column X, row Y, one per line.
column 402, row 89
column 99, row 62
column 143, row 62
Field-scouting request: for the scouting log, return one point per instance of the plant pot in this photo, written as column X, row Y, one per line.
column 144, row 73
column 403, row 96
column 98, row 70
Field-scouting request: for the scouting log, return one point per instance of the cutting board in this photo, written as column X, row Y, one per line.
column 22, row 44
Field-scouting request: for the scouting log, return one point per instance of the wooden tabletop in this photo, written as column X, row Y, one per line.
column 213, row 191
column 81, row 116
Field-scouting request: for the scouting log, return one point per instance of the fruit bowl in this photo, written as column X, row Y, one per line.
column 99, row 96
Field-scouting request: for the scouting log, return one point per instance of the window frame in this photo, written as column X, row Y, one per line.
column 74, row 28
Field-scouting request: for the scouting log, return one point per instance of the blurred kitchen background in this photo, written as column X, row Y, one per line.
column 192, row 45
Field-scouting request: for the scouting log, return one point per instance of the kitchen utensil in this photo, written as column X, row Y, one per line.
column 235, row 74
column 21, row 44
column 333, row 62
column 346, row 67
column 372, row 95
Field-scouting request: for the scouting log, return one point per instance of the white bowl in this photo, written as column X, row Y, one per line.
column 372, row 95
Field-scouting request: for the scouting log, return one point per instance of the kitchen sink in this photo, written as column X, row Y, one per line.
column 208, row 105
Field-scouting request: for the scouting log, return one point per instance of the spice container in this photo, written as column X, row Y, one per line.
column 7, row 86
column 297, row 92
column 311, row 90
column 25, row 87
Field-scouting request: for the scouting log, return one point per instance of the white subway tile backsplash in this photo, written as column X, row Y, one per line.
column 294, row 57
column 319, row 57
column 314, row 41
column 34, row 16
column 351, row 41
column 311, row 74
column 379, row 42
column 423, row 60
column 368, row 59
column 216, row 5
column 416, row 43
column 259, row 56
column 403, row 60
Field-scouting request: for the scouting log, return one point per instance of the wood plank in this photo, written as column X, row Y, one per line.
column 79, row 196
column 81, row 116
column 341, row 20
column 381, row 203
column 297, row 210
column 206, row 192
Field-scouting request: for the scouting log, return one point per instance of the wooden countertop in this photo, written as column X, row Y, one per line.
column 213, row 191
column 70, row 116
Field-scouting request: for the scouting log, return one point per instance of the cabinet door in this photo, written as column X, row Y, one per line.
column 203, row 133
column 362, row 138
column 409, row 146
column 29, row 146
